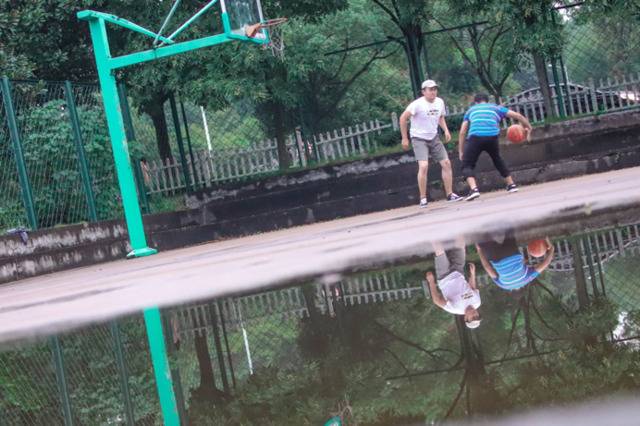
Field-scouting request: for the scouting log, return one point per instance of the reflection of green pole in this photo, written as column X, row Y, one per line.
column 119, row 146
column 61, row 378
column 161, row 367
column 122, row 372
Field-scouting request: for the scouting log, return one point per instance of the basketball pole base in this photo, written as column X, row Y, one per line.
column 143, row 252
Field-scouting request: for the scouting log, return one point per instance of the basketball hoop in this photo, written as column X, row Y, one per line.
column 276, row 41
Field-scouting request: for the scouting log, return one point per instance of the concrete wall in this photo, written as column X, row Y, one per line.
column 575, row 148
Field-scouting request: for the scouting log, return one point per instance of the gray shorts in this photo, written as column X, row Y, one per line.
column 423, row 148
column 449, row 261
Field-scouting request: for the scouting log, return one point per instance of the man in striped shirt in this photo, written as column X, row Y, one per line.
column 482, row 122
column 504, row 263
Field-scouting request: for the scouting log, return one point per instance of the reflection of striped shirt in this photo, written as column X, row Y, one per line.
column 513, row 273
column 485, row 119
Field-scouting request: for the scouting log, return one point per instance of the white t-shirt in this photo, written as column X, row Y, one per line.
column 425, row 117
column 458, row 293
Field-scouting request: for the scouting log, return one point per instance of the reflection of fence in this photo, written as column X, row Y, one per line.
column 601, row 247
column 219, row 165
column 290, row 302
column 98, row 375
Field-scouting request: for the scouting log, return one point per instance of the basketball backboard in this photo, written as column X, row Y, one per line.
column 242, row 14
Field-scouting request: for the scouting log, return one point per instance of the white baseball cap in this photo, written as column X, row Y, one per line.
column 429, row 84
column 473, row 324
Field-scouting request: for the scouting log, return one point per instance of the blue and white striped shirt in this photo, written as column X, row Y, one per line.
column 485, row 119
column 513, row 273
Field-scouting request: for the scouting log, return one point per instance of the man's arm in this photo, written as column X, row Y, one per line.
column 548, row 258
column 524, row 121
column 443, row 126
column 486, row 264
column 461, row 138
column 437, row 298
column 404, row 129
column 472, row 276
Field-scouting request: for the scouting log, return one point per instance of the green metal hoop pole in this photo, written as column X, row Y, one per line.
column 118, row 138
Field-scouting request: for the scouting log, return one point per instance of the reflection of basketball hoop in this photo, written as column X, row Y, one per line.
column 276, row 41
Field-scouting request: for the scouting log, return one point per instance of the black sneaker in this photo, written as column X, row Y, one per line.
column 473, row 194
column 512, row 188
column 453, row 197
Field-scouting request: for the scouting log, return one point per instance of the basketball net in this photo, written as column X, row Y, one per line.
column 276, row 40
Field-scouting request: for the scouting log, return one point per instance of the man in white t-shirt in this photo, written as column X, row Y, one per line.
column 459, row 296
column 426, row 114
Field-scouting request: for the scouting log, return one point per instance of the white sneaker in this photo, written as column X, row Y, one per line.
column 453, row 197
column 423, row 203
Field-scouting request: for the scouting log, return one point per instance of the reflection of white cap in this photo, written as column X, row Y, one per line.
column 473, row 324
column 429, row 83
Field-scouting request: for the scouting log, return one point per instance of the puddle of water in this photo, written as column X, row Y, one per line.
column 378, row 347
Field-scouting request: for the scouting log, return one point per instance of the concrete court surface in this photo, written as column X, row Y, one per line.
column 65, row 300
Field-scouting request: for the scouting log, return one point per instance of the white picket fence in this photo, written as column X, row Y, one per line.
column 606, row 95
column 227, row 164
column 209, row 167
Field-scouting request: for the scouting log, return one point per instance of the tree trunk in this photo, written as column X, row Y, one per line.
column 284, row 158
column 543, row 81
column 207, row 378
column 156, row 112
column 412, row 50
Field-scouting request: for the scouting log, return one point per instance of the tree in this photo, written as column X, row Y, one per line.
column 63, row 54
column 409, row 16
column 531, row 29
column 488, row 48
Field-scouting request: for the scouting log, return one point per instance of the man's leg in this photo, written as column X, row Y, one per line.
column 493, row 149
column 423, row 168
column 438, row 152
column 441, row 261
column 447, row 176
column 421, row 153
column 472, row 150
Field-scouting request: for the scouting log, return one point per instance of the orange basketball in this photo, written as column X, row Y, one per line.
column 537, row 248
column 516, row 133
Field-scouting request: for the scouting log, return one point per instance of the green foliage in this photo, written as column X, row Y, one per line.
column 64, row 53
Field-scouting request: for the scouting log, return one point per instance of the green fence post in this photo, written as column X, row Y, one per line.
column 556, row 82
column 61, row 379
column 126, row 112
column 82, row 158
column 122, row 372
column 142, row 189
column 176, row 125
column 188, row 135
column 25, row 185
column 161, row 368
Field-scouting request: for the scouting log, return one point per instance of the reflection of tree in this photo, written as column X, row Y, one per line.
column 405, row 361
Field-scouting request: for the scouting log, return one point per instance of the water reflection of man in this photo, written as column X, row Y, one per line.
column 501, row 258
column 459, row 296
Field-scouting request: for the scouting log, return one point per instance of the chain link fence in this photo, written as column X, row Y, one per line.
column 97, row 375
column 345, row 108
